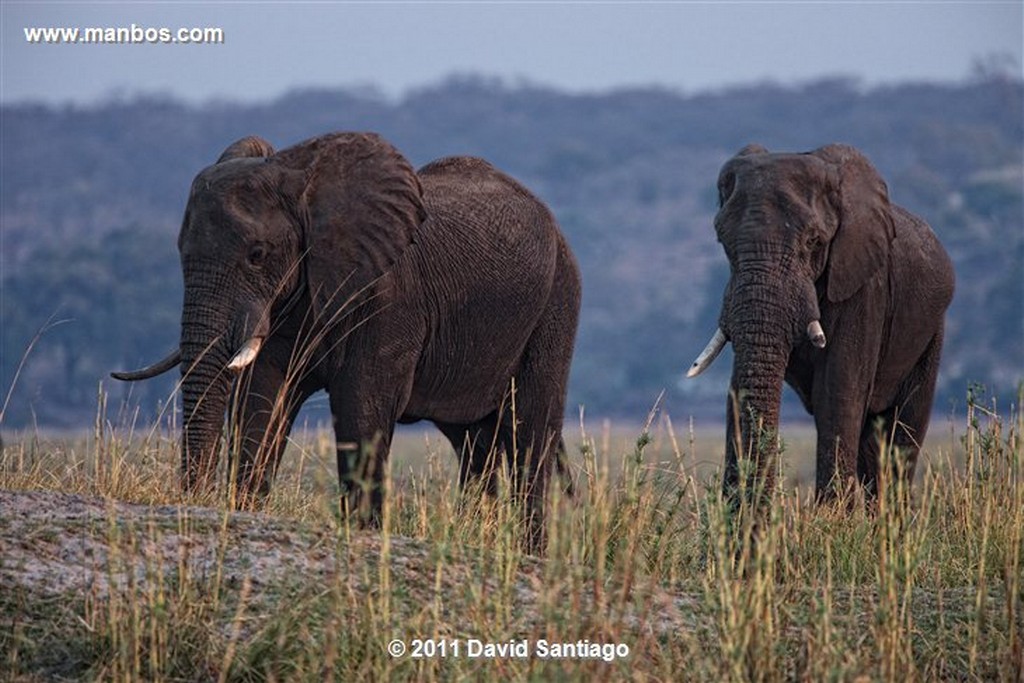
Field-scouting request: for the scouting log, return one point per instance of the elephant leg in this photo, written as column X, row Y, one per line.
column 539, row 411
column 904, row 425
column 532, row 429
column 479, row 451
column 877, row 427
column 362, row 461
column 525, row 432
column 366, row 404
column 263, row 408
column 837, row 450
column 840, row 401
column 532, row 441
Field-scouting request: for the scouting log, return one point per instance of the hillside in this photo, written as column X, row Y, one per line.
column 91, row 200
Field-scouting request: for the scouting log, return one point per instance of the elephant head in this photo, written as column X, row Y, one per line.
column 802, row 233
column 323, row 219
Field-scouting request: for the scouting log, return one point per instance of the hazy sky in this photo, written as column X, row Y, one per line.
column 272, row 47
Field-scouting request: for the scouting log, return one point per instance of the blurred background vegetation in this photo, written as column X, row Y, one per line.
column 92, row 197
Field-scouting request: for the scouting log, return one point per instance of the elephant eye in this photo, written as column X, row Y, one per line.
column 257, row 255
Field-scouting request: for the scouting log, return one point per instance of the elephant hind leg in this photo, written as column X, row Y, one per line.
column 539, row 399
column 482, row 449
column 478, row 447
column 876, row 431
column 525, row 432
column 903, row 426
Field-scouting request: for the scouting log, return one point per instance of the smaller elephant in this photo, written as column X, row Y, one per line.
column 839, row 293
column 447, row 294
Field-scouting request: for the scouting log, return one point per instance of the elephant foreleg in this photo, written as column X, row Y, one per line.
column 361, row 468
column 263, row 409
column 841, row 396
column 839, row 420
column 362, row 446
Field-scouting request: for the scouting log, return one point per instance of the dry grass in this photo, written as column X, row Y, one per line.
column 140, row 585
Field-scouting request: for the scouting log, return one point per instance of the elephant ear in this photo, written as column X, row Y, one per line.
column 249, row 146
column 360, row 208
column 863, row 238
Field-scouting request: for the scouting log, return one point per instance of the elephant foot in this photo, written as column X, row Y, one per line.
column 360, row 509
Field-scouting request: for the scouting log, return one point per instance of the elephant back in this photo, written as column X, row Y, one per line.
column 468, row 194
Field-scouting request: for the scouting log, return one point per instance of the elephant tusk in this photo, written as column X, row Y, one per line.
column 247, row 354
column 708, row 355
column 158, row 368
column 816, row 334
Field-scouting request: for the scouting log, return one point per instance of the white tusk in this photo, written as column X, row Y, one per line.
column 247, row 354
column 816, row 334
column 708, row 355
column 173, row 359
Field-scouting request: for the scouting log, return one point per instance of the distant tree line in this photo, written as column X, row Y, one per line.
column 92, row 199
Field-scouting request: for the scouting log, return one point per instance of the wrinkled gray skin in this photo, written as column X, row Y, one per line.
column 813, row 237
column 407, row 296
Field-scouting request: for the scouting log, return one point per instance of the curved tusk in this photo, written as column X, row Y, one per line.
column 247, row 354
column 158, row 368
column 816, row 334
column 708, row 355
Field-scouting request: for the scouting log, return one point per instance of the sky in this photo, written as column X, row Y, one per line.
column 270, row 48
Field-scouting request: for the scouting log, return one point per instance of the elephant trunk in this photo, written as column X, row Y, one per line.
column 205, row 386
column 753, row 420
column 762, row 338
column 204, row 401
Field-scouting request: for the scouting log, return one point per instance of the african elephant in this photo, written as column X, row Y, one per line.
column 838, row 292
column 447, row 294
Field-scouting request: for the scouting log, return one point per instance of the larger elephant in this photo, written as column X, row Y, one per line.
column 836, row 291
column 447, row 294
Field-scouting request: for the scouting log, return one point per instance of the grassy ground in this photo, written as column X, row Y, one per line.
column 646, row 576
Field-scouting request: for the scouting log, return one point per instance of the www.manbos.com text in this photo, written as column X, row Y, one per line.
column 132, row 34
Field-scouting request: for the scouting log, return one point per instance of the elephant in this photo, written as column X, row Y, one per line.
column 841, row 294
column 447, row 294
